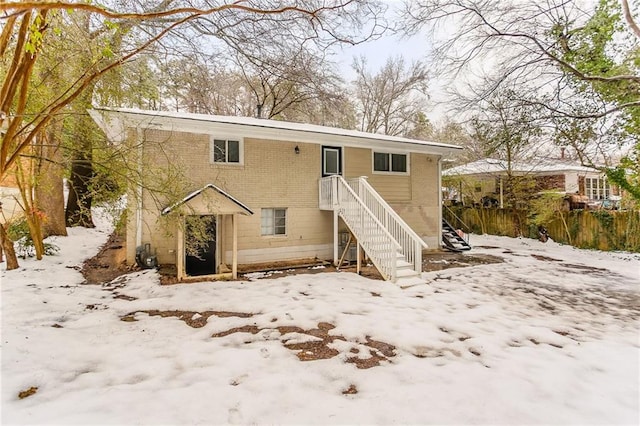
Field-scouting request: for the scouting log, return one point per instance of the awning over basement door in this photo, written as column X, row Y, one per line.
column 208, row 200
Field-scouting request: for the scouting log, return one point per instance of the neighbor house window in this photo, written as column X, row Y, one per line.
column 225, row 151
column 388, row 162
column 274, row 221
column 597, row 188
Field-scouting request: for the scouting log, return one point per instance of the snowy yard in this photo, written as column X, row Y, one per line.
column 550, row 336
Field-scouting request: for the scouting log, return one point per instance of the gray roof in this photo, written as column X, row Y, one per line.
column 495, row 166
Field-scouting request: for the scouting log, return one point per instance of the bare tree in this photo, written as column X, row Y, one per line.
column 30, row 26
column 513, row 43
column 388, row 102
column 507, row 130
column 575, row 60
column 279, row 85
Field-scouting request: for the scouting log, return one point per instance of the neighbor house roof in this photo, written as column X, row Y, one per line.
column 114, row 122
column 495, row 166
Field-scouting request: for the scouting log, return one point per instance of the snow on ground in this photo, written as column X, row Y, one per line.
column 550, row 336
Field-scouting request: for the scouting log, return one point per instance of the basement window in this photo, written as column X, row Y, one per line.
column 390, row 162
column 226, row 151
column 274, row 222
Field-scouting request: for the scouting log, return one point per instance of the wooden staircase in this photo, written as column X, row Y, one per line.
column 393, row 247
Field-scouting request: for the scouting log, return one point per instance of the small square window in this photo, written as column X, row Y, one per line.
column 225, row 151
column 380, row 162
column 274, row 222
column 233, row 151
column 399, row 163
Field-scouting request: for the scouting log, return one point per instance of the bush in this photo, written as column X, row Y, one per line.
column 19, row 232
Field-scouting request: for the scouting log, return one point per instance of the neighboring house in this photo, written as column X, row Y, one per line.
column 9, row 196
column 277, row 191
column 484, row 180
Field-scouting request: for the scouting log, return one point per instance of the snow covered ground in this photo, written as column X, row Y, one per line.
column 550, row 336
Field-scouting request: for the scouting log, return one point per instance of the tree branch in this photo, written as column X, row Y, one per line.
column 629, row 18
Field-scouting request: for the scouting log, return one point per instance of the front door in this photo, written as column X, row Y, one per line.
column 200, row 245
column 331, row 160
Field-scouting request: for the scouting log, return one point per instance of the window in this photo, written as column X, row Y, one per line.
column 387, row 162
column 225, row 151
column 597, row 188
column 331, row 161
column 274, row 222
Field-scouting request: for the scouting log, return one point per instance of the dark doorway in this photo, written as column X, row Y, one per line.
column 200, row 245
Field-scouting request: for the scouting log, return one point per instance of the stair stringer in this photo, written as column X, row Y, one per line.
column 379, row 244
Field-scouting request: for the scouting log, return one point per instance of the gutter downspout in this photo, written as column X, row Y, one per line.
column 139, row 190
column 439, row 233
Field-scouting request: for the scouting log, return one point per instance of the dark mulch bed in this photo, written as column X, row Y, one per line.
column 110, row 263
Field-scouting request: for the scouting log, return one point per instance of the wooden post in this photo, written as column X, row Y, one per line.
column 335, row 237
column 221, row 248
column 234, row 266
column 180, row 272
column 359, row 257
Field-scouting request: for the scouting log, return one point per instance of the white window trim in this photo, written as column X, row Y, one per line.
column 240, row 140
column 338, row 152
column 286, row 222
column 601, row 192
column 380, row 172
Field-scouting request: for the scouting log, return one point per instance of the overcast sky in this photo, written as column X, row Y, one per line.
column 415, row 48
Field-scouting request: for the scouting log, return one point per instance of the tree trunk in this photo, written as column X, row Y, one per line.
column 80, row 197
column 51, row 200
column 80, row 192
column 50, row 188
column 7, row 248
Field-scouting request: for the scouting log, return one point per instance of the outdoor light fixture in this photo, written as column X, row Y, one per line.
column 296, row 149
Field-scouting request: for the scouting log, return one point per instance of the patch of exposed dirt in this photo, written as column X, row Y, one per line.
column 27, row 393
column 191, row 318
column 544, row 258
column 108, row 264
column 439, row 260
column 312, row 350
column 351, row 390
column 319, row 347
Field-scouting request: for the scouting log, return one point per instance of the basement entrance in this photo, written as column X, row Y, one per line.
column 200, row 245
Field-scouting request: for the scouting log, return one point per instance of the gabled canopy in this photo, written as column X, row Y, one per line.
column 207, row 200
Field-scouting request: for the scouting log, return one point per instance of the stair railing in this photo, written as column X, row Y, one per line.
column 466, row 228
column 375, row 239
column 411, row 244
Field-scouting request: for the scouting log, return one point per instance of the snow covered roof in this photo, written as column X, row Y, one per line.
column 114, row 121
column 243, row 209
column 495, row 166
